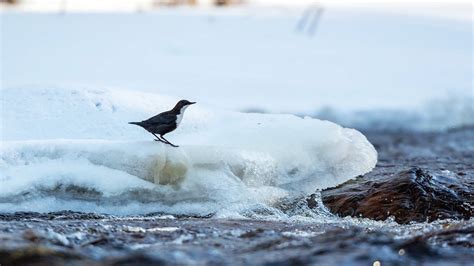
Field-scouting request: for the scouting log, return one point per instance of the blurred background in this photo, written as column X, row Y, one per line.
column 366, row 64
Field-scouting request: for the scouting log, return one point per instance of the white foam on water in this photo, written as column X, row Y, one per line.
column 227, row 164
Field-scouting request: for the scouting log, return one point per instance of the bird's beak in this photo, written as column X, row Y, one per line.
column 191, row 103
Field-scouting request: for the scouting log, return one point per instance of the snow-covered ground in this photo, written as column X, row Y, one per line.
column 71, row 82
column 362, row 67
column 73, row 149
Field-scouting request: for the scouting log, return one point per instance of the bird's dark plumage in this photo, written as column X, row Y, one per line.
column 165, row 122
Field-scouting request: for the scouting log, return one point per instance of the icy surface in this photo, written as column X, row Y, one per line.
column 73, row 149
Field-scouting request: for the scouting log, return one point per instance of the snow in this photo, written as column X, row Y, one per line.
column 361, row 60
column 65, row 146
column 70, row 85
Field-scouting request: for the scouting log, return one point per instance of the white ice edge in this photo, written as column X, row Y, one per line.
column 227, row 161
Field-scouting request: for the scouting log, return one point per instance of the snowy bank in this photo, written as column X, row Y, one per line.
column 73, row 149
column 367, row 66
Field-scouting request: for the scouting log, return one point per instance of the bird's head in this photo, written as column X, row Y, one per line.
column 182, row 104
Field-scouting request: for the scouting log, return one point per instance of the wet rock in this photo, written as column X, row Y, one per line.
column 252, row 233
column 234, row 242
column 139, row 259
column 46, row 235
column 412, row 195
column 40, row 255
column 60, row 215
column 312, row 202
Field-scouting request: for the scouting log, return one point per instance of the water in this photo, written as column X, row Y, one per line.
column 291, row 232
column 237, row 190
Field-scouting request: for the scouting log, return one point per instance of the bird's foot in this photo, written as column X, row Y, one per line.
column 176, row 146
column 167, row 142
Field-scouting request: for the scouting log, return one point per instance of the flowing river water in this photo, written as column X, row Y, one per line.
column 309, row 236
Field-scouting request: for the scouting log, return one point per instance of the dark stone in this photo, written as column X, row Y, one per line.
column 60, row 215
column 412, row 195
column 311, row 201
column 39, row 255
column 252, row 233
column 140, row 259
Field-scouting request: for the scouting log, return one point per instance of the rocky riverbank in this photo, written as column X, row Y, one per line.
column 419, row 177
column 155, row 240
column 413, row 195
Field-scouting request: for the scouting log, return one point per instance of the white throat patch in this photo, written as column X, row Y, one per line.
column 180, row 115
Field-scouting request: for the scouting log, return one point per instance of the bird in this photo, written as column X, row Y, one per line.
column 165, row 122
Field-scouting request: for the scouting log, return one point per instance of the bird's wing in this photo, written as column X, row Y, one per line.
column 163, row 118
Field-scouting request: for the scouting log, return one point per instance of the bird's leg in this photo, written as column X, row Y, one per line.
column 157, row 138
column 169, row 142
column 162, row 139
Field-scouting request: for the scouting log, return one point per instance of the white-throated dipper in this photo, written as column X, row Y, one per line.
column 165, row 122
